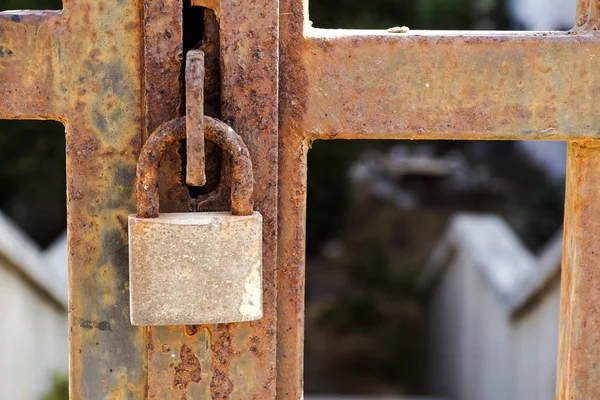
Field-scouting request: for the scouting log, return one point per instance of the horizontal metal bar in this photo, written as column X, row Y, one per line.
column 459, row 85
column 26, row 63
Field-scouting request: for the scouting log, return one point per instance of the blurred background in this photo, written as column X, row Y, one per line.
column 433, row 268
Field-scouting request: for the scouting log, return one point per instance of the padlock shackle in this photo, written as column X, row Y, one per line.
column 174, row 131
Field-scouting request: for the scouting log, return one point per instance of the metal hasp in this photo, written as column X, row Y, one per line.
column 194, row 268
column 111, row 72
column 194, row 118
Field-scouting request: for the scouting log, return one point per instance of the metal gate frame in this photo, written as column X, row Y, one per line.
column 110, row 71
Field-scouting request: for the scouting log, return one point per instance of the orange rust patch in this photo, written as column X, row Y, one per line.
column 188, row 370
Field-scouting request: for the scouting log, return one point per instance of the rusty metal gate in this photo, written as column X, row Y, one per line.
column 111, row 72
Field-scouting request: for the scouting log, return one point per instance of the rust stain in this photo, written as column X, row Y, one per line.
column 188, row 370
column 191, row 330
column 249, row 104
column 100, row 325
column 422, row 86
column 222, row 353
column 194, row 104
column 579, row 353
column 165, row 136
column 100, row 103
column 334, row 84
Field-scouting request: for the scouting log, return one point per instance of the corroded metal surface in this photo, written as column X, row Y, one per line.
column 112, row 77
column 293, row 153
column 237, row 360
column 28, row 43
column 579, row 340
column 450, row 85
column 194, row 106
column 163, row 139
column 588, row 15
column 249, row 99
column 212, row 69
column 440, row 85
column 163, row 58
column 83, row 66
column 578, row 375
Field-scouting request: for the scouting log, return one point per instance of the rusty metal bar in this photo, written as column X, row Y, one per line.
column 100, row 103
column 98, row 87
column 293, row 155
column 335, row 84
column 28, row 44
column 194, row 105
column 232, row 360
column 448, row 85
column 579, row 349
column 249, row 103
column 588, row 15
column 167, row 135
column 163, row 57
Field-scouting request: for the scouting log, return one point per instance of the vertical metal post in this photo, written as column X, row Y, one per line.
column 578, row 375
column 232, row 361
column 579, row 340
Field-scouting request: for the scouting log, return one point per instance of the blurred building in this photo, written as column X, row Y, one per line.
column 492, row 313
column 33, row 314
column 541, row 15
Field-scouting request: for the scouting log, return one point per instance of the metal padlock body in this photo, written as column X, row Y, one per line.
column 201, row 267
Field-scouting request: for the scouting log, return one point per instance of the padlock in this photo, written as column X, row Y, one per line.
column 197, row 267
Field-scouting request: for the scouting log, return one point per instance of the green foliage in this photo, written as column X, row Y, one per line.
column 60, row 389
column 30, row 5
column 462, row 14
column 360, row 14
column 422, row 14
column 370, row 319
column 328, row 188
column 32, row 176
